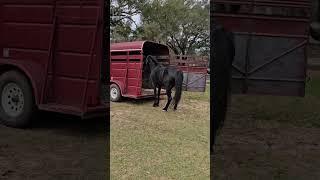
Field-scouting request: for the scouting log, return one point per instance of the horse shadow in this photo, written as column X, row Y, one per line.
column 140, row 101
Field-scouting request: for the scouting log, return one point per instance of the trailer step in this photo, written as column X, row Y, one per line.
column 61, row 108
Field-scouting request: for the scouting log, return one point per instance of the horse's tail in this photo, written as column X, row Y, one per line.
column 178, row 85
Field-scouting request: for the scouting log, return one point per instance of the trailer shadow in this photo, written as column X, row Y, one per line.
column 55, row 147
column 70, row 125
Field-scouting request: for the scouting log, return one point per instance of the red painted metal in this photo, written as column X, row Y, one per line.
column 94, row 41
column 58, row 45
column 195, row 61
column 135, row 45
column 52, row 38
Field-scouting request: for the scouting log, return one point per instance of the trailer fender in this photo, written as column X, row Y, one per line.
column 33, row 71
column 118, row 83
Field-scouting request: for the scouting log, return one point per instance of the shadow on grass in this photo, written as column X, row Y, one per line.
column 140, row 101
column 71, row 125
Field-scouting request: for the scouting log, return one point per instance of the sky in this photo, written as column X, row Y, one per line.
column 136, row 19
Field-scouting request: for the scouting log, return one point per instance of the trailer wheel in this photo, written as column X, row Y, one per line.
column 115, row 93
column 16, row 100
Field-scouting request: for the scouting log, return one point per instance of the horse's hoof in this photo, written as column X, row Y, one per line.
column 164, row 110
column 155, row 105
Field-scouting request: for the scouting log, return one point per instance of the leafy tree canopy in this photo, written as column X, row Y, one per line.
column 183, row 25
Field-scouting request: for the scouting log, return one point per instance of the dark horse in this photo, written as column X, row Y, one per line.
column 167, row 77
column 223, row 48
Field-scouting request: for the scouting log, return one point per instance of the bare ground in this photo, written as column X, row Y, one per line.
column 56, row 147
column 268, row 153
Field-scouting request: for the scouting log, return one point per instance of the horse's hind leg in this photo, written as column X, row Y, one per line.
column 175, row 106
column 159, row 92
column 156, row 101
column 169, row 100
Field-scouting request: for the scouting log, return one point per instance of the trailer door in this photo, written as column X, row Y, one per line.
column 73, row 72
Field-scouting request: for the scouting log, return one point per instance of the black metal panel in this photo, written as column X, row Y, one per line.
column 269, row 65
column 194, row 82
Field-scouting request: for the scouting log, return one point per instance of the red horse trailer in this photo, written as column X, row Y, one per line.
column 51, row 58
column 127, row 70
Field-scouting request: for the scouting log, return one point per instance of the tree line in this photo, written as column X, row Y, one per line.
column 183, row 25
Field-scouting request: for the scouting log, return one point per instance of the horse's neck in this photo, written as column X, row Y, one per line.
column 154, row 65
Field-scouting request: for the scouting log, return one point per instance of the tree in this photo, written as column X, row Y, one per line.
column 121, row 12
column 182, row 25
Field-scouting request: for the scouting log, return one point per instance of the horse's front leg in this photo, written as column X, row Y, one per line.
column 156, row 102
column 169, row 100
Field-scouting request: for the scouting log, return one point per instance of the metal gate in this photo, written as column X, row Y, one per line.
column 270, row 41
column 194, row 71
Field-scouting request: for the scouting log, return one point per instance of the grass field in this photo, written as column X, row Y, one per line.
column 268, row 137
column 264, row 137
column 147, row 143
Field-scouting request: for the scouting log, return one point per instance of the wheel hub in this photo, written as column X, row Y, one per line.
column 114, row 93
column 15, row 99
column 12, row 99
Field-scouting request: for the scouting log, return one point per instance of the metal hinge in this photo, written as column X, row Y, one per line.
column 5, row 52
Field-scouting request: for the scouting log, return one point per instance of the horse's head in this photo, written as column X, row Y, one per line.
column 151, row 62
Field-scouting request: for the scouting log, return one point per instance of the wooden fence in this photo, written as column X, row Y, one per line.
column 183, row 60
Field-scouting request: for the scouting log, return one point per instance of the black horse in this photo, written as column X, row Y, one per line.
column 223, row 48
column 167, row 77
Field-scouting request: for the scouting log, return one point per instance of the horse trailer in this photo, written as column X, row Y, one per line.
column 128, row 77
column 51, row 58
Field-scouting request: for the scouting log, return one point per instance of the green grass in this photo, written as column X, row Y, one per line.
column 271, row 137
column 294, row 111
column 147, row 143
column 313, row 86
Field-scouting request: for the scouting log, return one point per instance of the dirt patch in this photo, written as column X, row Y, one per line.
column 56, row 147
column 286, row 153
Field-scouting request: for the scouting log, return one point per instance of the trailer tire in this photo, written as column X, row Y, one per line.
column 17, row 104
column 115, row 93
